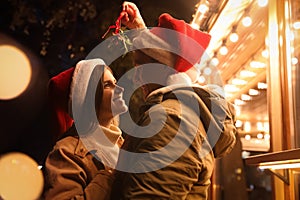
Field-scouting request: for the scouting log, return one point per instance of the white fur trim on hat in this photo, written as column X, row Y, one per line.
column 80, row 97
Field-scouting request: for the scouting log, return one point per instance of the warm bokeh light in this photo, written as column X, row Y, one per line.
column 296, row 25
column 15, row 72
column 262, row 3
column 214, row 61
column 247, row 21
column 237, row 81
column 294, row 61
column 267, row 136
column 201, row 79
column 203, row 8
column 207, row 71
column 247, row 126
column 223, row 50
column 239, row 102
column 253, row 92
column 247, row 137
column 238, row 123
column 231, row 88
column 234, row 37
column 20, row 177
column 245, row 97
column 260, row 136
column 261, row 85
column 247, row 73
column 265, row 53
column 257, row 64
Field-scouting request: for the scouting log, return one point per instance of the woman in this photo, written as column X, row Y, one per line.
column 79, row 166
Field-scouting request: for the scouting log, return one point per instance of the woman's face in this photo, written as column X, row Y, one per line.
column 112, row 100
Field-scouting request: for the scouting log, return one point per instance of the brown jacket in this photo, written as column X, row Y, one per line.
column 174, row 157
column 73, row 172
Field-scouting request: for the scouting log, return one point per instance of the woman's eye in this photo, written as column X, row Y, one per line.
column 109, row 85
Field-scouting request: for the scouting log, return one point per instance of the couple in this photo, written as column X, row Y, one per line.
column 182, row 129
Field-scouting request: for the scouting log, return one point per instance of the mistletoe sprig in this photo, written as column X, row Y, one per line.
column 121, row 36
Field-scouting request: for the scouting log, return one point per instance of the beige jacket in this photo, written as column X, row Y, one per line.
column 73, row 172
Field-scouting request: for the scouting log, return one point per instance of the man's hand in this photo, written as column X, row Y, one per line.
column 131, row 17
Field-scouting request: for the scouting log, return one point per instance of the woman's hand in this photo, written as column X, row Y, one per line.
column 131, row 16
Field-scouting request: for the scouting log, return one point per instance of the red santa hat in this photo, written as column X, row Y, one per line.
column 58, row 93
column 189, row 43
column 61, row 89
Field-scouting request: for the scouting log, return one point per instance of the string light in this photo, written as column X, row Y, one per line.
column 253, row 92
column 214, row 61
column 245, row 97
column 223, row 49
column 237, row 81
column 296, row 25
column 247, row 21
column 262, row 3
column 257, row 64
column 207, row 71
column 265, row 53
column 294, row 61
column 203, row 8
column 234, row 37
column 231, row 88
column 261, row 85
column 247, row 73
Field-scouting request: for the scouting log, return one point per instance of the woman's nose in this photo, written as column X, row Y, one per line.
column 119, row 89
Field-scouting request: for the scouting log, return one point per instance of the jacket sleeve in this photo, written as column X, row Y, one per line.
column 67, row 175
column 177, row 145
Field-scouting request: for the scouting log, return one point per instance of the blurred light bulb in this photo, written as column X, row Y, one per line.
column 207, row 71
column 231, row 88
column 247, row 73
column 214, row 61
column 201, row 79
column 261, row 85
column 247, row 126
column 265, row 53
column 260, row 126
column 267, row 136
column 296, row 25
column 19, row 172
column 247, row 21
column 247, row 137
column 262, row 3
column 245, row 97
column 257, row 64
column 260, row 136
column 253, row 92
column 238, row 123
column 239, row 102
column 234, row 37
column 223, row 50
column 203, row 8
column 294, row 61
column 238, row 81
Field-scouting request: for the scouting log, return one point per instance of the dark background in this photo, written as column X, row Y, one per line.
column 59, row 33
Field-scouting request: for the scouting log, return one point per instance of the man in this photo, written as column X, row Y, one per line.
column 183, row 127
